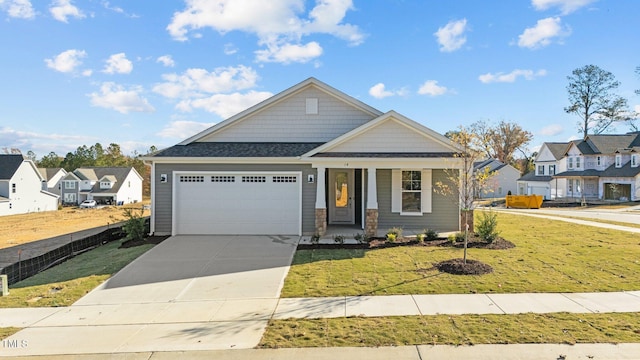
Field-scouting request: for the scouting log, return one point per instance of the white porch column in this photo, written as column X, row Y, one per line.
column 321, row 202
column 372, row 189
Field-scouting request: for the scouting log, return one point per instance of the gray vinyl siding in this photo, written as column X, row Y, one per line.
column 443, row 217
column 163, row 191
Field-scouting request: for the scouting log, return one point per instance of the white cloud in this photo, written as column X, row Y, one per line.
column 378, row 91
column 230, row 49
column 61, row 10
column 41, row 144
column 116, row 97
column 118, row 64
column 543, row 33
column 183, row 129
column 200, row 82
column 431, row 88
column 66, row 61
column 451, row 36
column 551, row 130
column 279, row 25
column 566, row 6
column 21, row 9
column 225, row 105
column 289, row 53
column 166, row 60
column 512, row 76
column 118, row 10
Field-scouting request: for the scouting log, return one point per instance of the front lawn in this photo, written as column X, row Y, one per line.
column 560, row 328
column 550, row 256
column 64, row 284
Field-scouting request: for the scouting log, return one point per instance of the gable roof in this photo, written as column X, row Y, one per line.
column 9, row 164
column 310, row 82
column 119, row 174
column 439, row 139
column 48, row 173
column 605, row 144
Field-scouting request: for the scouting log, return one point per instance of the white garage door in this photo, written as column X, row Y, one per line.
column 237, row 203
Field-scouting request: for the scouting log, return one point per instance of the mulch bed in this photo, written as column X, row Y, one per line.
column 458, row 267
column 148, row 240
column 380, row 243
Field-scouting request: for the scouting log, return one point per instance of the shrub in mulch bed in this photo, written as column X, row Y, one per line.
column 380, row 243
column 458, row 267
column 148, row 240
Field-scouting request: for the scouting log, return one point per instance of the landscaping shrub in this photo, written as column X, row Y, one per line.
column 134, row 225
column 487, row 227
column 430, row 234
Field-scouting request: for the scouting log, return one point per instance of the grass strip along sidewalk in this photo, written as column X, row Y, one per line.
column 559, row 328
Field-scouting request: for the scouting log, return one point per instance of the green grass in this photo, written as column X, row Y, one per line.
column 561, row 328
column 550, row 256
column 62, row 285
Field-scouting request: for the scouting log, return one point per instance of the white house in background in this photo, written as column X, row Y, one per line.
column 502, row 181
column 51, row 179
column 604, row 167
column 106, row 185
column 549, row 161
column 21, row 187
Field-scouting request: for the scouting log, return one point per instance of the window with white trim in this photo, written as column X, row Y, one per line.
column 634, row 160
column 599, row 160
column 191, row 178
column 570, row 165
column 552, row 169
column 577, row 162
column 69, row 184
column 13, row 188
column 411, row 191
column 254, row 179
column 618, row 160
column 223, row 178
column 540, row 169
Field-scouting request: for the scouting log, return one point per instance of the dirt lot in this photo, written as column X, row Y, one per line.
column 24, row 228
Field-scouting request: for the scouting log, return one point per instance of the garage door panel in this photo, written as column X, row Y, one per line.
column 259, row 205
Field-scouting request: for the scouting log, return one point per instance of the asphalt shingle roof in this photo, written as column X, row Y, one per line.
column 557, row 149
column 9, row 163
column 531, row 176
column 382, row 155
column 120, row 173
column 238, row 149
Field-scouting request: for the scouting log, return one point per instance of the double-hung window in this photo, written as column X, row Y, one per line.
column 411, row 191
column 540, row 169
column 552, row 169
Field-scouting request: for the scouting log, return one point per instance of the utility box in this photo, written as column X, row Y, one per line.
column 4, row 285
column 524, row 201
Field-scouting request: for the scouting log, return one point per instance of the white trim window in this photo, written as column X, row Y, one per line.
column 552, row 169
column 69, row 184
column 570, row 165
column 540, row 169
column 577, row 162
column 618, row 160
column 634, row 160
column 411, row 191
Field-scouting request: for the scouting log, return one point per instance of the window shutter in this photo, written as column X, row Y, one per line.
column 396, row 191
column 427, row 191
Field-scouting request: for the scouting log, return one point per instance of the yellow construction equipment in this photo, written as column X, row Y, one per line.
column 524, row 201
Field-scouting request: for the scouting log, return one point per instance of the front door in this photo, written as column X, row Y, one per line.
column 341, row 196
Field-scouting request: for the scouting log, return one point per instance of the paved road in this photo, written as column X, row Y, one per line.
column 187, row 293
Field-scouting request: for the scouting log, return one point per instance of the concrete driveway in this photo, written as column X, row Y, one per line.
column 187, row 293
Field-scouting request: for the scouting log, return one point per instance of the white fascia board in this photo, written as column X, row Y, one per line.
column 277, row 98
column 389, row 163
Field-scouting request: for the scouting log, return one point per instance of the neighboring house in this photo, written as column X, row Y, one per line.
column 51, row 179
column 549, row 161
column 106, row 185
column 600, row 167
column 502, row 180
column 604, row 167
column 304, row 159
column 21, row 187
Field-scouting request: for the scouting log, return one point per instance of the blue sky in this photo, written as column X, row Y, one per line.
column 141, row 73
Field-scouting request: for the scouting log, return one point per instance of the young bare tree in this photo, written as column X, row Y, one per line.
column 592, row 98
column 460, row 184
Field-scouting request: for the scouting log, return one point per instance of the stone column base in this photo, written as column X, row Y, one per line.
column 321, row 222
column 371, row 222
